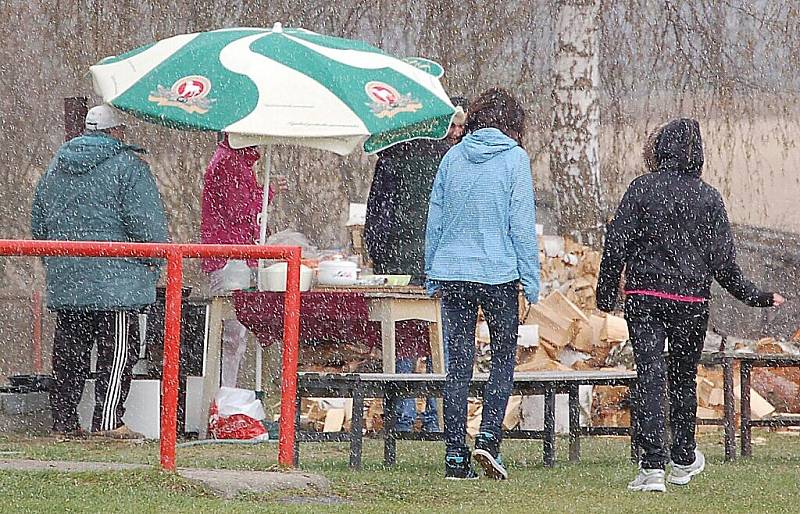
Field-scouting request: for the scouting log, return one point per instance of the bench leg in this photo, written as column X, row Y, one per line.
column 634, row 429
column 574, row 424
column 747, row 449
column 356, row 428
column 729, row 421
column 549, row 443
column 389, row 421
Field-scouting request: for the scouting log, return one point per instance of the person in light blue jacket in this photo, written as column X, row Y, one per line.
column 480, row 245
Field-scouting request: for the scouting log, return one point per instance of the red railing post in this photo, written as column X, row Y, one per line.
column 291, row 336
column 172, row 349
column 174, row 253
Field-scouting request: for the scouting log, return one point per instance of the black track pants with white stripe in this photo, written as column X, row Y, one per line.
column 116, row 334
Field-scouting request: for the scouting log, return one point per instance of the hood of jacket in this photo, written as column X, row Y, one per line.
column 680, row 147
column 85, row 153
column 483, row 144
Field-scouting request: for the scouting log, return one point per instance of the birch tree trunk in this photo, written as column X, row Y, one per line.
column 574, row 148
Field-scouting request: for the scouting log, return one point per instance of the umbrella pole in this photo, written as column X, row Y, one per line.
column 262, row 239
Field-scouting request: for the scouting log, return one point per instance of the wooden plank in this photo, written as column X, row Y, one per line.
column 615, row 329
column 759, row 407
column 542, row 362
column 582, row 336
column 704, row 388
column 561, row 304
column 334, row 420
column 513, row 414
column 552, row 326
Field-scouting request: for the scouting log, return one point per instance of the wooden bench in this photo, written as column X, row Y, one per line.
column 393, row 387
column 748, row 361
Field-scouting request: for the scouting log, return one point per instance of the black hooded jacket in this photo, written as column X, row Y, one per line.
column 671, row 232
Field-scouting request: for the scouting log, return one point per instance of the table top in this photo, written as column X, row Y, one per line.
column 399, row 292
column 410, row 292
column 716, row 357
column 371, row 289
column 523, row 376
column 776, row 358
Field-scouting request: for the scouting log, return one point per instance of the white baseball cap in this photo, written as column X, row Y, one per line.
column 102, row 117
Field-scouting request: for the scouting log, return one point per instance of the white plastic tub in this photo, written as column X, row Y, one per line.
column 273, row 278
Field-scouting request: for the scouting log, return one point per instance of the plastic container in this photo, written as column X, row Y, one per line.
column 237, row 275
column 273, row 278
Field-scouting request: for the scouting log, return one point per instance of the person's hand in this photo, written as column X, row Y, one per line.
column 777, row 300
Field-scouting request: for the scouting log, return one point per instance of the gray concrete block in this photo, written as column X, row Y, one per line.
column 23, row 403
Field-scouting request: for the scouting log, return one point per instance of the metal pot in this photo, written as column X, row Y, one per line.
column 337, row 272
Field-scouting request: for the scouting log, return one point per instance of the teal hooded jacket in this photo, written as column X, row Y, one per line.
column 97, row 188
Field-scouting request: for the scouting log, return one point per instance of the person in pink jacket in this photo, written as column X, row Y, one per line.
column 231, row 204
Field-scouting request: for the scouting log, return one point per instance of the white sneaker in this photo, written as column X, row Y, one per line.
column 682, row 474
column 648, row 480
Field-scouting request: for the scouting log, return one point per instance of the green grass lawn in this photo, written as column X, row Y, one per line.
column 769, row 482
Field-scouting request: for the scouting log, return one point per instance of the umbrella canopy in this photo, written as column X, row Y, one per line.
column 289, row 86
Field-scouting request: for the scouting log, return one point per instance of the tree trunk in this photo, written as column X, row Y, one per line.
column 574, row 156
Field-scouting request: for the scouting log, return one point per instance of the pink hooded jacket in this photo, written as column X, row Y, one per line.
column 231, row 200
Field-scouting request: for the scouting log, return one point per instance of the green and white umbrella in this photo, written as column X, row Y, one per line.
column 286, row 86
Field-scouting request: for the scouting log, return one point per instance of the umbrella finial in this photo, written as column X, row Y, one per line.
column 278, row 27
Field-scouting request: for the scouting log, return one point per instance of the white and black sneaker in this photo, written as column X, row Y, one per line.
column 458, row 467
column 651, row 480
column 487, row 454
column 682, row 474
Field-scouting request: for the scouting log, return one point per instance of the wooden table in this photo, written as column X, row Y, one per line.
column 388, row 308
column 387, row 305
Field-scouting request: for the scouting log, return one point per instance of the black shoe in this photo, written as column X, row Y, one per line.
column 457, row 467
column 487, row 454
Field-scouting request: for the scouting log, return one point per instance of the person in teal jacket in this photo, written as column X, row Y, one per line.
column 480, row 245
column 97, row 188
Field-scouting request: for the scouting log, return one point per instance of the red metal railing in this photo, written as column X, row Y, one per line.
column 174, row 254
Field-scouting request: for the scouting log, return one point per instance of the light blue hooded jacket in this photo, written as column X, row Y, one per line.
column 98, row 189
column 482, row 215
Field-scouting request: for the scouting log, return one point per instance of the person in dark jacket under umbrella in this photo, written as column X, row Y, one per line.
column 394, row 234
column 672, row 237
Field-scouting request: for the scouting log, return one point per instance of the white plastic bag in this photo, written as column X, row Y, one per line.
column 237, row 414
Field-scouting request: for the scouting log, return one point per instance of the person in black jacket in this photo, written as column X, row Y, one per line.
column 672, row 237
column 394, row 234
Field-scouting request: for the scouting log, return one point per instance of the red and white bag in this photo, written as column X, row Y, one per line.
column 237, row 414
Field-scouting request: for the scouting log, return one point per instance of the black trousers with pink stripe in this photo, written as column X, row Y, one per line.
column 116, row 334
